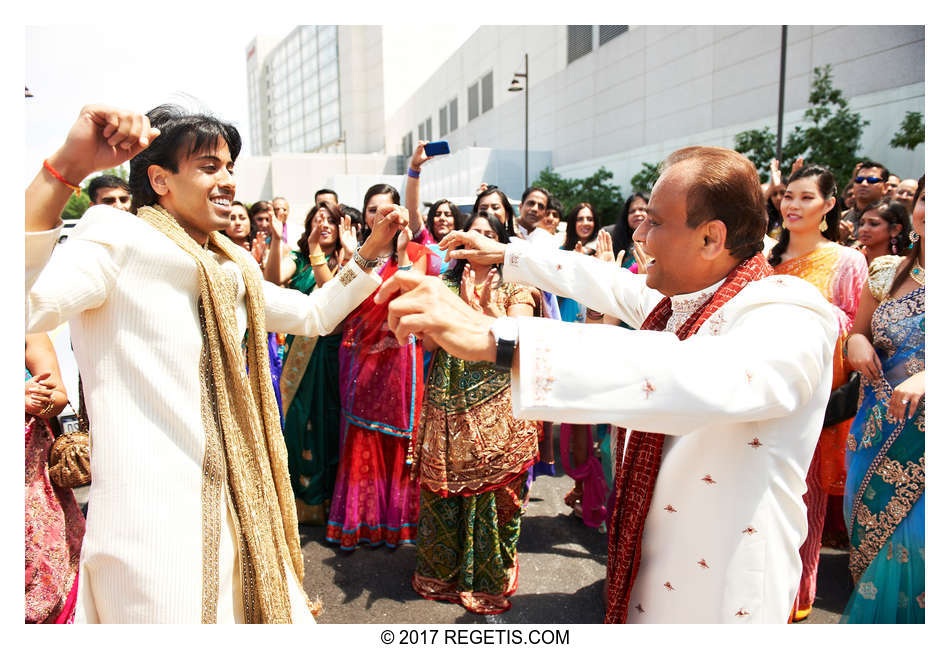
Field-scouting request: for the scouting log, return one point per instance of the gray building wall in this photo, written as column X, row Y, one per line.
column 653, row 89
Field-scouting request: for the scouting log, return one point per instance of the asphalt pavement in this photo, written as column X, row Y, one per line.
column 563, row 566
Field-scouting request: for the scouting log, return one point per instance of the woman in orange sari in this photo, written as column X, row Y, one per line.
column 808, row 248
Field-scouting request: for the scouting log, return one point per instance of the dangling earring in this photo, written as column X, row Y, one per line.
column 823, row 225
column 914, row 237
column 894, row 245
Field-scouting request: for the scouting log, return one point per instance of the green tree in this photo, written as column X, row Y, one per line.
column 643, row 180
column 910, row 133
column 830, row 135
column 596, row 189
column 76, row 206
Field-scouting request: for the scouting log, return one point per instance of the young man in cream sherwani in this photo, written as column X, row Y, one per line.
column 191, row 518
column 729, row 384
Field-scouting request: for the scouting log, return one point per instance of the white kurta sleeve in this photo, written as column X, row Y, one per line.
column 317, row 314
column 769, row 363
column 603, row 287
column 74, row 277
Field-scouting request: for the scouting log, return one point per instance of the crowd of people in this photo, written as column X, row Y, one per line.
column 753, row 389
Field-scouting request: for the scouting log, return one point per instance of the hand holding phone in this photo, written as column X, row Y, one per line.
column 441, row 147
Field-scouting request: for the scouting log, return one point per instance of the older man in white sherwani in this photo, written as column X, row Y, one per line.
column 167, row 539
column 739, row 398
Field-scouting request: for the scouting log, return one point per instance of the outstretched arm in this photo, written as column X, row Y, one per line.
column 419, row 158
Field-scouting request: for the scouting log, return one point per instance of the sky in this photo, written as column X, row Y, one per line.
column 210, row 73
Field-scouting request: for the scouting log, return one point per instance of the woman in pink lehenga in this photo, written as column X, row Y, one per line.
column 54, row 525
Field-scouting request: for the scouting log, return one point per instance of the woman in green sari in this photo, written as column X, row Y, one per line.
column 309, row 383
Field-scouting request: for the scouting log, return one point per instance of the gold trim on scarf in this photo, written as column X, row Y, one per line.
column 295, row 366
column 246, row 414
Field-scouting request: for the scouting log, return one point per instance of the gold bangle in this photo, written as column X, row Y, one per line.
column 48, row 408
column 318, row 260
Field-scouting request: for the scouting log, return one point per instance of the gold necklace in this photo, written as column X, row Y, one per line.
column 917, row 273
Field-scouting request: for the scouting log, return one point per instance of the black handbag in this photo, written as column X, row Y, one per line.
column 843, row 402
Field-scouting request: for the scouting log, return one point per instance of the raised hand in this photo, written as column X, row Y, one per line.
column 473, row 246
column 348, row 240
column 640, row 257
column 390, row 219
column 419, row 156
column 486, row 301
column 798, row 164
column 102, row 137
column 426, row 307
column 259, row 245
column 605, row 246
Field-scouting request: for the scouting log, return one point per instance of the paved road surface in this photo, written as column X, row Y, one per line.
column 563, row 563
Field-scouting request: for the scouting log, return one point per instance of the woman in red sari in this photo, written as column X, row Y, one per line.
column 54, row 525
column 381, row 385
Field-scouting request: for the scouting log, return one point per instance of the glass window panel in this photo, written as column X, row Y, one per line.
column 453, row 114
column 429, row 128
column 580, row 41
column 472, row 101
column 443, row 121
column 487, row 94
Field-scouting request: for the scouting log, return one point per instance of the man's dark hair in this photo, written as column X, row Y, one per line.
column 183, row 135
column 725, row 187
column 547, row 195
column 325, row 191
column 871, row 164
column 105, row 181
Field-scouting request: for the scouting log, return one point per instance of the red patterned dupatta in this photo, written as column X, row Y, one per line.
column 380, row 381
column 636, row 475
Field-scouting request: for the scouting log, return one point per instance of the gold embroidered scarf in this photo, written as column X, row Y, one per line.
column 245, row 448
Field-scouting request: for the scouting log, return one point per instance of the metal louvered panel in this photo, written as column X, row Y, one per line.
column 580, row 41
column 608, row 32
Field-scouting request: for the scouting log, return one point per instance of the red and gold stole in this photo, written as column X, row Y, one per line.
column 636, row 475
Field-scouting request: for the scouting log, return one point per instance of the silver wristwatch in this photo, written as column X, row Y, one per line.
column 362, row 262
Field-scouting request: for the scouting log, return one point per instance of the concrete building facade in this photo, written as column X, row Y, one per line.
column 618, row 96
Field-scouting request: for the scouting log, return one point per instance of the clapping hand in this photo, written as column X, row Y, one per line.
column 483, row 301
column 348, row 241
column 259, row 245
column 38, row 393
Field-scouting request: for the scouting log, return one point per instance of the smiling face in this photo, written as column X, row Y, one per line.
column 584, row 226
column 803, row 206
column 200, row 193
column 372, row 207
column 677, row 266
column 443, row 221
column 239, row 226
column 875, row 232
column 491, row 203
column 636, row 213
column 328, row 233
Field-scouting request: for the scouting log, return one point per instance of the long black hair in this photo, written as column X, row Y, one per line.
column 571, row 239
column 914, row 255
column 828, row 189
column 893, row 213
column 622, row 235
column 455, row 272
column 505, row 203
column 183, row 135
column 430, row 217
column 336, row 217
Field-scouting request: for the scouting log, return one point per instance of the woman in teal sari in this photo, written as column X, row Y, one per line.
column 309, row 383
column 884, row 493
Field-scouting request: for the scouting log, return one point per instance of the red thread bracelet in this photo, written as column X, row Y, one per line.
column 77, row 190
